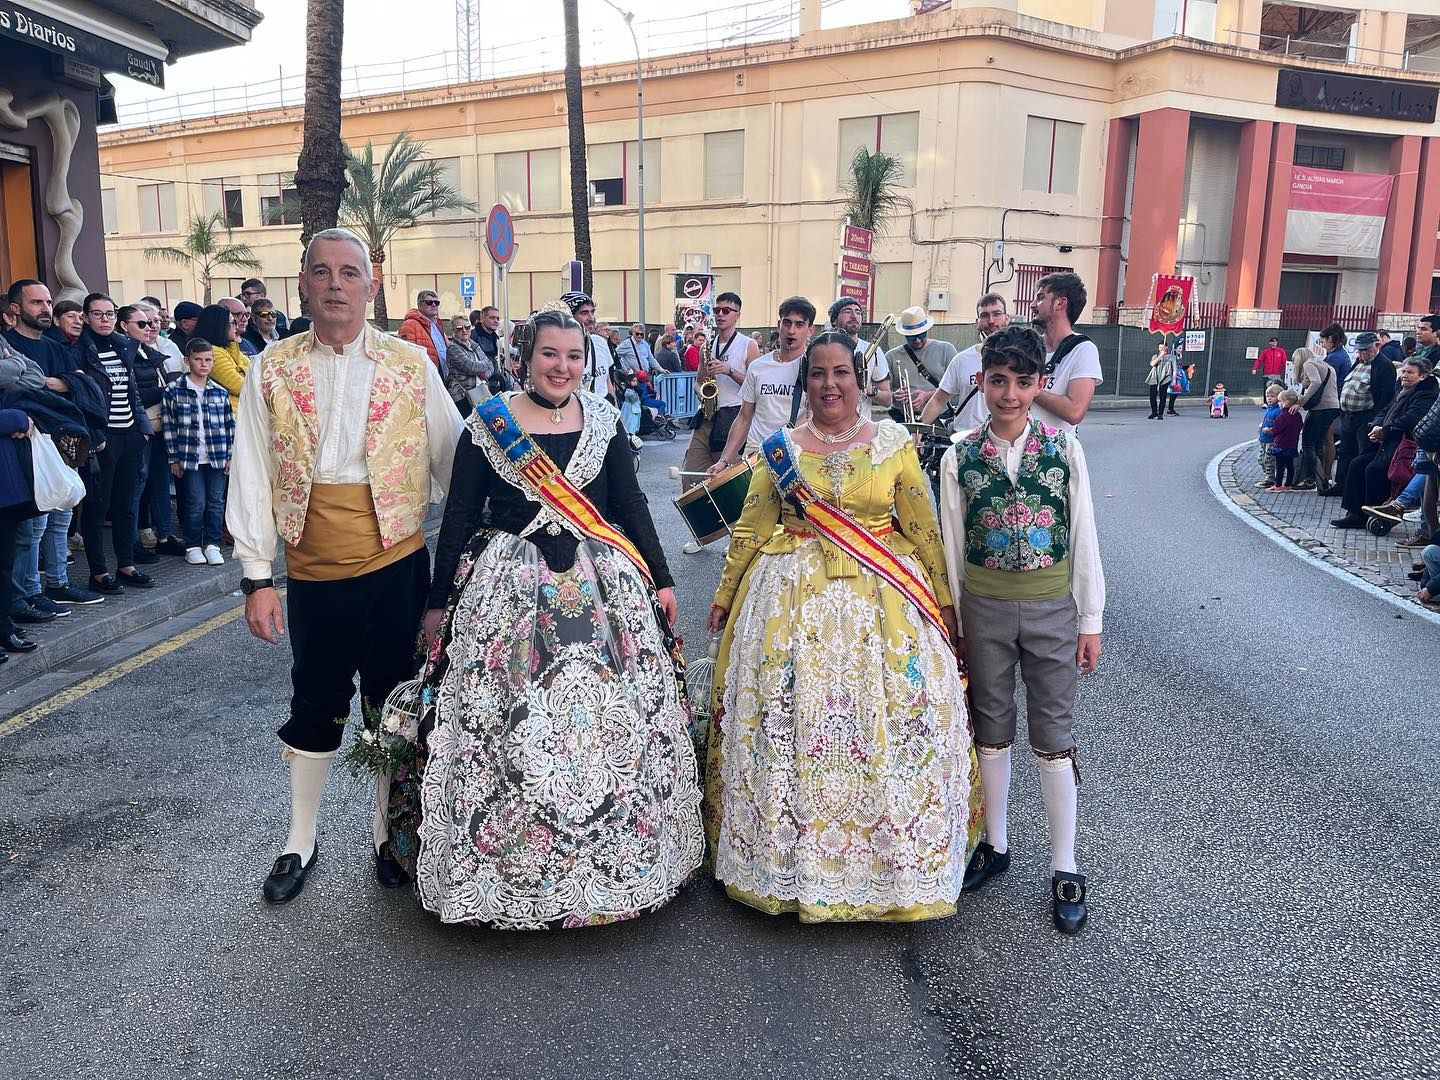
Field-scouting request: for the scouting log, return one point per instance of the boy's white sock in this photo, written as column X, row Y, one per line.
column 995, row 779
column 381, row 825
column 1057, row 783
column 307, row 784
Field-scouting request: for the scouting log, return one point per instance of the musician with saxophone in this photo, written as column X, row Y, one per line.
column 846, row 314
column 961, row 376
column 717, row 385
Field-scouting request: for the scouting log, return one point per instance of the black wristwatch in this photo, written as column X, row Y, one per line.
column 253, row 585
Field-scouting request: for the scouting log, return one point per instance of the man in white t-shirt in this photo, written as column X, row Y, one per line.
column 766, row 395
column 846, row 314
column 597, row 348
column 1069, row 383
column 962, row 375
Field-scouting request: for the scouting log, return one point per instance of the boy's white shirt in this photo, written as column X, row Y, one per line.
column 1087, row 578
column 202, row 457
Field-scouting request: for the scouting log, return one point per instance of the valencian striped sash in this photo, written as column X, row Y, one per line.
column 845, row 532
column 550, row 484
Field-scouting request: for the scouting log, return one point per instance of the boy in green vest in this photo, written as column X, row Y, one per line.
column 1020, row 544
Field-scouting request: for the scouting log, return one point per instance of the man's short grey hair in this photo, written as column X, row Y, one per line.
column 343, row 235
column 991, row 298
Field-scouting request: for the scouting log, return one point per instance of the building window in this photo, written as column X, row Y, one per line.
column 1320, row 157
column 896, row 134
column 528, row 180
column 169, row 291
column 108, row 213
column 614, row 171
column 276, row 198
column 1052, row 156
column 1190, row 18
column 157, row 207
column 115, row 289
column 1305, row 287
column 445, row 286
column 222, row 196
column 724, row 164
column 891, row 290
column 449, row 175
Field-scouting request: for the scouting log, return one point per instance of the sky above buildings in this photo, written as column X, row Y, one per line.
column 514, row 38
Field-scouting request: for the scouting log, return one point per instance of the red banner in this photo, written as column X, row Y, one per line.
column 1169, row 303
column 858, row 239
column 1337, row 213
column 856, row 267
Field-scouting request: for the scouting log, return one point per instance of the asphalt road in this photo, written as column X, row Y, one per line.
column 1257, row 820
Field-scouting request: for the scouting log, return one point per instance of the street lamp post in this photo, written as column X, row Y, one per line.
column 629, row 17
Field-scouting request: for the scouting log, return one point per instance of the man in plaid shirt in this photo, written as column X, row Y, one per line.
column 1357, row 408
column 200, row 437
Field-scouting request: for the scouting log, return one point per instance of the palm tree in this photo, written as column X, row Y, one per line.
column 575, row 117
column 871, row 190
column 320, row 172
column 203, row 249
column 381, row 199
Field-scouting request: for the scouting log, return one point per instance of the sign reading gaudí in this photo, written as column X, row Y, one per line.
column 52, row 35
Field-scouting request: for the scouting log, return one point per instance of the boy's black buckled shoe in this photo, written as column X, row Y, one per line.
column 984, row 864
column 1067, row 891
column 287, row 877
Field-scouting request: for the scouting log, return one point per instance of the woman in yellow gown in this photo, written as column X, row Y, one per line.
column 839, row 781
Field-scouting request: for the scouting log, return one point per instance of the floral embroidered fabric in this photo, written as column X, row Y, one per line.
column 1015, row 526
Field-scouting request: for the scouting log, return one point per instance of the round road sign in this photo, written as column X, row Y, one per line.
column 500, row 234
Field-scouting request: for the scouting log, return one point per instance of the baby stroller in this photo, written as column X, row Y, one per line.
column 654, row 421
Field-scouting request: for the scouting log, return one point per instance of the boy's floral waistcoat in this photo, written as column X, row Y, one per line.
column 397, row 451
column 1020, row 526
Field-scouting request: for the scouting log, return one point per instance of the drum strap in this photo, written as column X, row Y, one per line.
column 845, row 532
column 551, row 485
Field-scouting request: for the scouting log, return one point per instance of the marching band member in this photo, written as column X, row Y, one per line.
column 596, row 377
column 839, row 766
column 846, row 314
column 766, row 396
column 962, row 371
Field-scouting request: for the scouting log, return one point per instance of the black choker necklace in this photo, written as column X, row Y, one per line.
column 556, row 417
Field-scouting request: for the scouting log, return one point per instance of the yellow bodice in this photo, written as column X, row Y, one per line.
column 880, row 485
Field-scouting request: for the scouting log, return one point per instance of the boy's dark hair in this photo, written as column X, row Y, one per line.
column 729, row 298
column 197, row 344
column 1071, row 288
column 1017, row 347
column 1432, row 321
column 798, row 305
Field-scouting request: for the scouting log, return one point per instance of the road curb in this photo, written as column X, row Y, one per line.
column 1225, row 486
column 90, row 628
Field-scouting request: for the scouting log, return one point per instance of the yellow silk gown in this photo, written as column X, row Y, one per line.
column 840, row 780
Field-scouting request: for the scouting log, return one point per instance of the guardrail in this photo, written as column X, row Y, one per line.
column 677, row 390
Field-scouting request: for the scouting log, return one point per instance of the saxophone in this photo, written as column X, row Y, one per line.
column 705, row 385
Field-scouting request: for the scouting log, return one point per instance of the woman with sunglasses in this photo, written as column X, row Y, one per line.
column 839, row 780
column 560, row 787
column 152, row 493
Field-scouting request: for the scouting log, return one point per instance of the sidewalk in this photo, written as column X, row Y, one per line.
column 1304, row 518
column 178, row 588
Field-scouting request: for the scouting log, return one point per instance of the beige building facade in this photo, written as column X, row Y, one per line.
column 1109, row 138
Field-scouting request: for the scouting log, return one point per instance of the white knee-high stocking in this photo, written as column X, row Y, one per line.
column 307, row 784
column 1057, row 782
column 381, row 826
column 995, row 779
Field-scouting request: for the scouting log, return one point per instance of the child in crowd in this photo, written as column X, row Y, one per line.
column 200, row 436
column 1267, row 435
column 1022, row 553
column 1285, row 428
column 1219, row 406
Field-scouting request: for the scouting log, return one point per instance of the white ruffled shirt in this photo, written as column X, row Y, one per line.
column 1087, row 579
column 342, row 403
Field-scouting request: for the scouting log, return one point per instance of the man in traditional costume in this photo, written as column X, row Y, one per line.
column 344, row 436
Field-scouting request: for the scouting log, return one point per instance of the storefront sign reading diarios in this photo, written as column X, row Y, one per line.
column 52, row 35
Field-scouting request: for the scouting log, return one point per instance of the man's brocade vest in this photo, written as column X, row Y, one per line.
column 1016, row 527
column 397, row 450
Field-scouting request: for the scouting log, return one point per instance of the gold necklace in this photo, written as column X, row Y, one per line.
column 558, row 416
column 844, row 436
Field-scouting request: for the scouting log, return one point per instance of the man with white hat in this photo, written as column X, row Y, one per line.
column 962, row 373
column 846, row 314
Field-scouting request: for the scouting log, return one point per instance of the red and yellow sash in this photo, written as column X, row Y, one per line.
column 845, row 532
column 550, row 484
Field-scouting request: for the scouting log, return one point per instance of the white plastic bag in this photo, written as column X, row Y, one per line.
column 57, row 486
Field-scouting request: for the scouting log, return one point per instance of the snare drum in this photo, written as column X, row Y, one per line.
column 712, row 507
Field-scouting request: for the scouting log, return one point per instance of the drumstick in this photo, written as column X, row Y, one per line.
column 675, row 473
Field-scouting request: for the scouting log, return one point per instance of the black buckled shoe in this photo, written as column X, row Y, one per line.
column 287, row 877
column 984, row 864
column 138, row 578
column 388, row 870
column 1067, row 892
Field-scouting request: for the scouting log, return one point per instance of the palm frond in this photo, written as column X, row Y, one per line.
column 871, row 190
column 169, row 254
column 395, row 194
